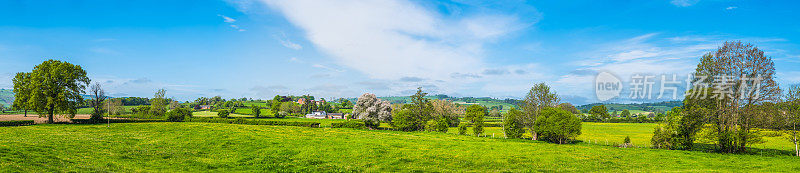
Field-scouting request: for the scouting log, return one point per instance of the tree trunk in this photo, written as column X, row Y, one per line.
column 50, row 115
column 26, row 113
column 796, row 148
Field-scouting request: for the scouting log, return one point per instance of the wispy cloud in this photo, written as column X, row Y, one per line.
column 396, row 38
column 227, row 19
column 327, row 68
column 288, row 43
column 231, row 22
column 683, row 3
column 731, row 8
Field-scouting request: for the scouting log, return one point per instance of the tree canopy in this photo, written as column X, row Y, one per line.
column 52, row 88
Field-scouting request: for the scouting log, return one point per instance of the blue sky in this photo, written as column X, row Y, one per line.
column 334, row 49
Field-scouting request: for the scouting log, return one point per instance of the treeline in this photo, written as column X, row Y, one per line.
column 540, row 113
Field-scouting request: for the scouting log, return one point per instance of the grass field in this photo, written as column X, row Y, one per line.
column 248, row 111
column 640, row 134
column 196, row 147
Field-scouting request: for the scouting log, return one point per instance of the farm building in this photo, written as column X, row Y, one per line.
column 336, row 116
column 317, row 115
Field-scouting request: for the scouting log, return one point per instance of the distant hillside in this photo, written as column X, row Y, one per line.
column 6, row 97
column 648, row 107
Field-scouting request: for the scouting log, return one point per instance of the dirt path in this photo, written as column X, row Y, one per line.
column 39, row 120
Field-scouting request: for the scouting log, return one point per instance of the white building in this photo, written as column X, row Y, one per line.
column 317, row 115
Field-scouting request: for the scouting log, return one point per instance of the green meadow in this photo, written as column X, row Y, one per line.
column 201, row 147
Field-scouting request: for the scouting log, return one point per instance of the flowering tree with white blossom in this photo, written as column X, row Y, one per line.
column 372, row 110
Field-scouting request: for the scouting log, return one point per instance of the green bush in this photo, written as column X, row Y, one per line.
column 478, row 129
column 254, row 122
column 178, row 114
column 223, row 113
column 557, row 126
column 430, row 126
column 256, row 110
column 16, row 123
column 355, row 124
column 440, row 124
column 403, row 120
column 512, row 125
column 462, row 129
column 627, row 140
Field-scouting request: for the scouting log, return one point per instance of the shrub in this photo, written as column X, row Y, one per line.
column 512, row 126
column 462, row 129
column 403, row 120
column 627, row 140
column 16, row 123
column 256, row 110
column 354, row 124
column 438, row 125
column 557, row 125
column 178, row 114
column 478, row 129
column 442, row 124
column 223, row 113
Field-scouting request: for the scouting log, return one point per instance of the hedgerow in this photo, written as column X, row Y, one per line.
column 355, row 124
column 16, row 123
column 254, row 122
column 90, row 121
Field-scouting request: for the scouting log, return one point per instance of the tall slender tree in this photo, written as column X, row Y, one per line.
column 22, row 92
column 538, row 97
column 98, row 96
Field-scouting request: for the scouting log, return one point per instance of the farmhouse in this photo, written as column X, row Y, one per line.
column 206, row 107
column 337, row 116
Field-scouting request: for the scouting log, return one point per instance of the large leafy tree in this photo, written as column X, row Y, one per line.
column 158, row 105
column 22, row 92
column 742, row 77
column 476, row 113
column 598, row 113
column 256, row 110
column 790, row 121
column 538, row 97
column 512, row 126
column 52, row 88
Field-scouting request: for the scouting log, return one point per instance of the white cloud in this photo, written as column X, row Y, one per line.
column 731, row 8
column 227, row 19
column 291, row 45
column 683, row 3
column 294, row 59
column 231, row 21
column 393, row 39
column 327, row 68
